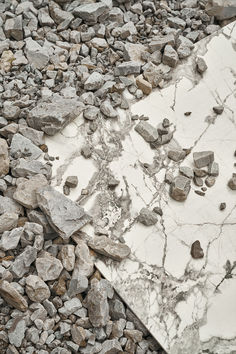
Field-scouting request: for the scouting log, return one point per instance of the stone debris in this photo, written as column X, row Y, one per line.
column 36, row 289
column 105, row 246
column 12, row 296
column 201, row 65
column 196, row 250
column 98, row 307
column 218, row 109
column 147, row 217
column 203, row 158
column 210, row 181
column 232, row 182
column 4, row 158
column 176, row 155
column 10, row 239
column 180, row 188
column 222, row 206
column 147, row 131
column 48, row 267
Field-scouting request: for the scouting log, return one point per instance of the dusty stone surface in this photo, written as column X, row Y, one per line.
column 36, row 289
column 105, row 246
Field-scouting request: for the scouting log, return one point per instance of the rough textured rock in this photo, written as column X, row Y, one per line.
column 51, row 117
column 203, row 158
column 127, row 68
column 67, row 256
column 12, row 296
column 37, row 56
column 170, row 56
column 201, row 65
column 105, row 246
column 91, row 12
column 21, row 264
column 10, row 239
column 23, row 147
column 71, row 181
column 8, row 205
column 84, row 262
column 111, row 346
column 147, row 217
column 8, row 221
column 196, row 250
column 16, row 333
column 147, row 131
column 144, row 85
column 4, row 159
column 221, row 9
column 25, row 193
column 65, row 216
column 180, row 188
column 232, row 182
column 48, row 267
column 36, row 289
column 98, row 307
column 24, row 168
column 94, row 82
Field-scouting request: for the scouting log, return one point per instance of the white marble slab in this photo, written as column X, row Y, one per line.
column 188, row 305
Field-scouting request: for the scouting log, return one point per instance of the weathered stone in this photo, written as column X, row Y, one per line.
column 203, row 158
column 48, row 267
column 23, row 147
column 176, row 22
column 84, row 263
column 37, row 56
column 180, row 188
column 25, row 193
column 16, row 333
column 67, row 256
column 232, row 182
column 221, row 9
column 159, row 43
column 144, row 85
column 24, row 168
column 176, row 155
column 218, row 109
column 147, row 217
column 111, row 346
column 38, row 217
column 4, row 159
column 11, row 112
column 94, row 82
column 77, row 285
column 70, row 307
column 8, row 221
column 36, row 289
column 91, row 12
column 117, row 310
column 147, row 131
column 12, row 296
column 127, row 30
column 65, row 216
column 201, row 65
column 10, row 239
column 196, row 250
column 213, row 169
column 34, row 135
column 210, row 181
column 135, row 335
column 198, row 181
column 133, row 52
column 13, row 28
column 22, row 262
column 186, row 171
column 199, row 173
column 53, row 115
column 108, row 110
column 127, row 68
column 78, row 335
column 97, row 304
column 222, row 206
column 170, row 56
column 91, row 113
column 105, row 246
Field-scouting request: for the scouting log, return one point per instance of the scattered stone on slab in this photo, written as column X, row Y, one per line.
column 158, row 211
column 222, row 206
column 12, row 296
column 232, row 182
column 196, row 250
column 24, row 168
column 203, row 158
column 105, row 246
column 198, row 181
column 4, row 158
column 186, row 171
column 25, row 193
column 199, row 173
column 10, row 239
column 65, row 216
column 147, row 217
column 169, row 177
column 201, row 65
column 107, row 109
column 48, row 267
column 170, row 56
column 176, row 155
column 147, row 131
column 179, row 188
column 36, row 289
column 213, row 169
column 201, row 193
column 71, row 181
column 144, row 85
column 210, row 181
column 218, row 109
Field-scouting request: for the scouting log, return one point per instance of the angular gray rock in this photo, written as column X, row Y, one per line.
column 201, row 65
column 37, row 56
column 105, row 246
column 70, row 307
column 22, row 262
column 34, row 135
column 176, row 155
column 170, row 56
column 25, row 193
column 213, row 169
column 8, row 221
column 147, row 131
column 24, row 168
column 180, row 188
column 10, row 239
column 127, row 68
column 36, row 289
column 12, row 296
column 91, row 113
column 203, row 158
column 13, row 28
column 158, row 43
column 97, row 304
column 8, row 205
column 53, row 115
column 4, row 158
column 77, row 285
column 71, row 181
column 111, row 346
column 232, row 182
column 67, row 256
column 186, row 171
column 218, row 109
column 221, row 9
column 48, row 267
column 108, row 110
column 147, row 217
column 23, row 147
column 16, row 333
column 84, row 262
column 65, row 216
column 94, row 82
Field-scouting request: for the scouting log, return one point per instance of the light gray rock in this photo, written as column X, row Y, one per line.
column 48, row 267
column 97, row 304
column 71, row 181
column 10, row 239
column 34, row 135
column 105, row 246
column 4, row 158
column 203, row 158
column 12, row 296
column 77, row 285
column 176, row 155
column 8, row 205
column 94, row 82
column 59, row 15
column 186, row 171
column 22, row 262
column 44, row 17
column 170, row 56
column 180, row 188
column 232, row 182
column 67, row 256
column 78, row 334
column 70, row 307
column 36, row 289
column 128, row 30
column 65, row 216
column 25, row 193
column 158, row 43
column 37, row 56
column 127, row 68
column 117, row 310
column 91, row 12
column 3, row 185
column 213, row 169
column 8, row 221
column 201, row 65
column 23, row 147
column 11, row 112
column 13, row 28
column 52, row 116
column 50, row 308
column 221, row 9
column 147, row 131
column 24, row 168
column 91, row 113
column 111, row 346
column 108, row 110
column 38, row 217
column 16, row 333
column 176, row 22
column 147, row 217
column 84, row 263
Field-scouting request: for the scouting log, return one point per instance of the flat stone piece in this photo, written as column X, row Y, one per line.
column 24, row 168
column 180, row 188
column 23, row 147
column 147, row 217
column 8, row 221
column 105, row 246
column 36, row 289
column 128, row 68
column 203, row 158
column 67, row 256
column 111, row 346
column 52, row 116
column 48, row 267
column 12, row 296
column 10, row 239
column 91, row 12
column 16, row 333
column 176, row 155
column 196, row 250
column 213, row 169
column 170, row 56
column 65, row 217
column 84, row 263
column 147, row 131
column 186, row 171
column 22, row 263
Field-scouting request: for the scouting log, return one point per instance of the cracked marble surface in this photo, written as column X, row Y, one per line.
column 187, row 304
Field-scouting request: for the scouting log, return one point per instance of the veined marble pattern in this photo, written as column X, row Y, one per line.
column 188, row 305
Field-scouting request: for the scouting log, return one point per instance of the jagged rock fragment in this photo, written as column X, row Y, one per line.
column 12, row 296
column 97, row 304
column 196, row 250
column 147, row 217
column 232, row 182
column 105, row 246
column 48, row 267
column 4, row 159
column 180, row 188
column 147, row 131
column 36, row 289
column 203, row 158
